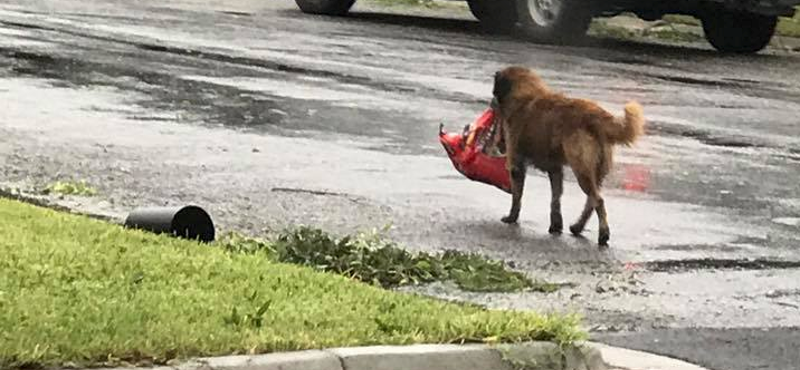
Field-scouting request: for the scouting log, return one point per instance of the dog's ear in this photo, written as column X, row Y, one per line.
column 502, row 86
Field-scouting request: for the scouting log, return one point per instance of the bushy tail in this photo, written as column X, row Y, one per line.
column 625, row 130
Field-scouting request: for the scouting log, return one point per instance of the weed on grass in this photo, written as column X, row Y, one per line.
column 80, row 188
column 254, row 315
column 372, row 258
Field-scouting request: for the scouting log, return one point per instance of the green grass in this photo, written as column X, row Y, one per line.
column 789, row 26
column 83, row 292
column 673, row 34
column 600, row 28
column 682, row 19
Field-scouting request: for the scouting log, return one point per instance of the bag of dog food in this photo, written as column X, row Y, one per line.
column 474, row 152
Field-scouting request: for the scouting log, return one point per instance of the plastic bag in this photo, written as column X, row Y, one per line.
column 474, row 153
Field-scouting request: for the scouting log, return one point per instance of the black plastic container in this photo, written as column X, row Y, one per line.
column 189, row 222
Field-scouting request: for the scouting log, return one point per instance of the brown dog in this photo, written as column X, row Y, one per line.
column 549, row 130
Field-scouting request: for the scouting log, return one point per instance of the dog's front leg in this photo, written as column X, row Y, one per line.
column 516, row 168
column 517, row 185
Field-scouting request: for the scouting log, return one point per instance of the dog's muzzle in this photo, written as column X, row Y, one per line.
column 495, row 104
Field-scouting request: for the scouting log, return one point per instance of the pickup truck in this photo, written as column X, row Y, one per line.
column 731, row 26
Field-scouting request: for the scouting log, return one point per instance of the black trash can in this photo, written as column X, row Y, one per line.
column 189, row 222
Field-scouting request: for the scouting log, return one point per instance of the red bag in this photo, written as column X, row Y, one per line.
column 468, row 153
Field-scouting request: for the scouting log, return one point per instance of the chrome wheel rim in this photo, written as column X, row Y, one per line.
column 544, row 12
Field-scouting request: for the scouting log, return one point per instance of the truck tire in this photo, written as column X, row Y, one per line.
column 495, row 15
column 555, row 21
column 738, row 32
column 326, row 7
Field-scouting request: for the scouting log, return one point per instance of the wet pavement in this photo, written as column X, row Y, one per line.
column 269, row 117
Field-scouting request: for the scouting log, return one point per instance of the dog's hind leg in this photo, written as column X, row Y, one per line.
column 587, row 185
column 604, row 234
column 556, row 190
column 603, row 168
column 594, row 202
column 583, row 154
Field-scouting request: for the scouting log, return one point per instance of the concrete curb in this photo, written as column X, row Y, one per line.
column 525, row 356
column 26, row 195
column 621, row 358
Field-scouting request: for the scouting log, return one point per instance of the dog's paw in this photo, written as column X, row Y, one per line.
column 556, row 224
column 576, row 229
column 602, row 239
column 509, row 219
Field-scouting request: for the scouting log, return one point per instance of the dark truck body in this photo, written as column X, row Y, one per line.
column 731, row 26
column 654, row 9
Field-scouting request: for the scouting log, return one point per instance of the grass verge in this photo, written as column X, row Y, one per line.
column 666, row 32
column 789, row 27
column 75, row 291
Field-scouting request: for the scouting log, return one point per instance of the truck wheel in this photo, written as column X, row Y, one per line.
column 327, row 7
column 496, row 15
column 556, row 21
column 738, row 32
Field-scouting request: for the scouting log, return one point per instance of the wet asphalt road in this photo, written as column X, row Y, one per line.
column 269, row 117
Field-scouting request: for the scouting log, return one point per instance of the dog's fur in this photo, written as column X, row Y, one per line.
column 549, row 130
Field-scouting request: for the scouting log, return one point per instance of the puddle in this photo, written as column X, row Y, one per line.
column 693, row 80
column 704, row 248
column 268, row 105
column 719, row 264
column 11, row 32
column 340, row 95
column 236, row 13
column 704, row 136
column 781, row 293
column 788, row 221
column 746, row 81
column 630, row 60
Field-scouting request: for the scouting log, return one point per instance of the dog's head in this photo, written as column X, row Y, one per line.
column 511, row 79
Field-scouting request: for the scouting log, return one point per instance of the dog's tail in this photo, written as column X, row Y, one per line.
column 625, row 130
